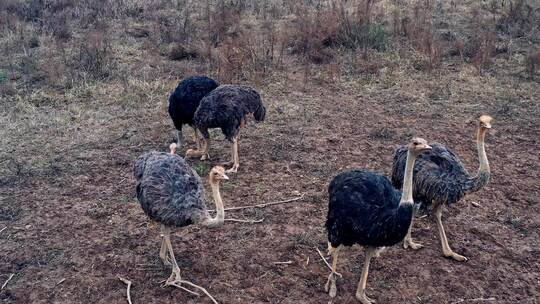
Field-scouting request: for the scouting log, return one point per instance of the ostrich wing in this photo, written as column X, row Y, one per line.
column 438, row 175
column 170, row 192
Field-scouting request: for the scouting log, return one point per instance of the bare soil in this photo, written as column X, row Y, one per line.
column 73, row 225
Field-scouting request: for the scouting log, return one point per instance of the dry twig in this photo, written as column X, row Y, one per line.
column 3, row 229
column 245, row 221
column 7, row 281
column 128, row 283
column 196, row 286
column 265, row 204
column 474, row 300
column 476, row 204
column 326, row 262
column 283, row 263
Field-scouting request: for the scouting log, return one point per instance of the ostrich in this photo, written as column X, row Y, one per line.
column 172, row 193
column 184, row 101
column 440, row 178
column 365, row 209
column 227, row 108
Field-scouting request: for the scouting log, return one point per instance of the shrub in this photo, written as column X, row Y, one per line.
column 181, row 52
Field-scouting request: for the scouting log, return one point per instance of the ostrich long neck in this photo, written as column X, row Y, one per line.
column 407, row 193
column 482, row 177
column 220, row 210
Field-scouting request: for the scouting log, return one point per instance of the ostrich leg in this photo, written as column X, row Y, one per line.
column 361, row 291
column 407, row 241
column 205, row 148
column 196, row 137
column 179, row 137
column 175, row 277
column 330, row 286
column 447, row 252
column 163, row 251
column 236, row 162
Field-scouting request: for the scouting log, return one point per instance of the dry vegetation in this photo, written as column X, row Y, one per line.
column 83, row 91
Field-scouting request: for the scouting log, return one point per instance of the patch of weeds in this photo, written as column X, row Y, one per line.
column 306, row 238
column 382, row 133
column 9, row 212
column 408, row 134
column 386, row 284
column 202, row 169
column 96, row 211
column 3, row 76
column 514, row 221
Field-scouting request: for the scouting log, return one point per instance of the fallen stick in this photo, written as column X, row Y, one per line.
column 326, row 262
column 265, row 204
column 245, row 221
column 475, row 300
column 196, row 286
column 128, row 283
column 7, row 281
column 3, row 229
column 283, row 263
column 476, row 204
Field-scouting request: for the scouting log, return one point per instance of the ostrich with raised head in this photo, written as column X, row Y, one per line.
column 441, row 179
column 185, row 100
column 172, row 194
column 227, row 108
column 365, row 209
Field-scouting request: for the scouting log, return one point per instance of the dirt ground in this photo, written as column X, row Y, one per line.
column 69, row 229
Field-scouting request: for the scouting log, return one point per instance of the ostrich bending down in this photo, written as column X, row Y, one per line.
column 440, row 178
column 184, row 101
column 171, row 193
column 227, row 108
column 365, row 209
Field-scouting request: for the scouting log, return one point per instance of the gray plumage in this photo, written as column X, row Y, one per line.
column 439, row 176
column 226, row 107
column 169, row 191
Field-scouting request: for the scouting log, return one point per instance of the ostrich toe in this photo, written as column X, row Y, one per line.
column 330, row 286
column 455, row 256
column 362, row 297
column 408, row 242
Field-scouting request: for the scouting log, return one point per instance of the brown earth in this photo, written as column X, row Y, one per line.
column 71, row 227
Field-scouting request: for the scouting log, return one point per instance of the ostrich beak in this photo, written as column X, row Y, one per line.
column 224, row 177
column 487, row 126
column 427, row 147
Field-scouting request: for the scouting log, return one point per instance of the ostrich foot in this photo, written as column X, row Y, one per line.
column 455, row 256
column 330, row 286
column 234, row 169
column 227, row 163
column 408, row 242
column 205, row 156
column 362, row 297
column 175, row 277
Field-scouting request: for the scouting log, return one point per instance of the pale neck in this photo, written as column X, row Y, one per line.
column 407, row 193
column 220, row 210
column 484, row 164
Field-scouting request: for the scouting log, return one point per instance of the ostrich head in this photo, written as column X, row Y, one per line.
column 418, row 145
column 217, row 174
column 485, row 122
column 173, row 148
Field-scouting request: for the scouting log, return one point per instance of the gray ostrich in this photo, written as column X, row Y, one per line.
column 440, row 178
column 172, row 193
column 227, row 108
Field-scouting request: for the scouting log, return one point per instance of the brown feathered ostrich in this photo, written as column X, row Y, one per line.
column 172, row 193
column 441, row 179
column 227, row 108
